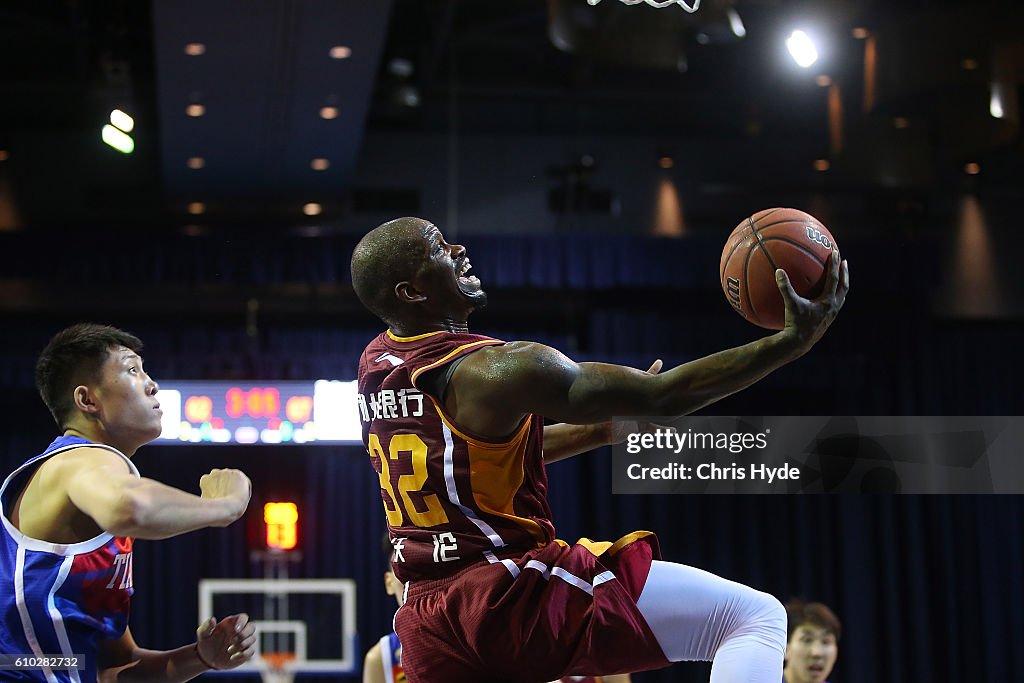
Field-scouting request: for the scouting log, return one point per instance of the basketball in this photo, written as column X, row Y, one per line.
column 789, row 239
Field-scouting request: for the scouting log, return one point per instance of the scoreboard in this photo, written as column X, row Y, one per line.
column 313, row 412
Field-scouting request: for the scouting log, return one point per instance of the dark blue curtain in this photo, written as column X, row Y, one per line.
column 928, row 588
column 538, row 261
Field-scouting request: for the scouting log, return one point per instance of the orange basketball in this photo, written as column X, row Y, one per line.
column 789, row 239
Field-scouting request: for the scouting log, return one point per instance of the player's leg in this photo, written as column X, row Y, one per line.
column 697, row 616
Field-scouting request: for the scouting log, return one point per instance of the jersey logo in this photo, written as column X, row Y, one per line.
column 399, row 545
column 443, row 544
column 390, row 404
column 122, row 575
column 394, row 360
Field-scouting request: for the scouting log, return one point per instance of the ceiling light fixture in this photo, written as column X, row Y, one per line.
column 123, row 121
column 401, row 67
column 320, row 164
column 802, row 48
column 995, row 102
column 195, row 110
column 312, row 209
column 340, row 52
column 735, row 23
column 195, row 163
column 117, row 139
column 329, row 113
column 195, row 49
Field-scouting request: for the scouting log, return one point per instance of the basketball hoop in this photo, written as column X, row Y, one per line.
column 276, row 667
column 658, row 3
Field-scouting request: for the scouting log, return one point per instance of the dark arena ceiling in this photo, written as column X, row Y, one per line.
column 525, row 68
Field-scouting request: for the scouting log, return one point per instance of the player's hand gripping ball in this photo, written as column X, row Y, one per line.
column 789, row 239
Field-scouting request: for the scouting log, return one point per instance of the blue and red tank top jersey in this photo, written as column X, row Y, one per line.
column 391, row 658
column 60, row 599
column 451, row 498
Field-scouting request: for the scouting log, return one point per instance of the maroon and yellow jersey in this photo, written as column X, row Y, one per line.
column 451, row 499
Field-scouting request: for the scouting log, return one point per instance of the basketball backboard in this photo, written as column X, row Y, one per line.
column 302, row 625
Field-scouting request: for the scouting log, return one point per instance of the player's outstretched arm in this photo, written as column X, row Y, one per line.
column 99, row 484
column 495, row 387
column 221, row 645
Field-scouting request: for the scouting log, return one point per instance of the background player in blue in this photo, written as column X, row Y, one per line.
column 70, row 514
column 383, row 661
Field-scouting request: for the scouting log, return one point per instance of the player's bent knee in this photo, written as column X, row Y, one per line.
column 767, row 616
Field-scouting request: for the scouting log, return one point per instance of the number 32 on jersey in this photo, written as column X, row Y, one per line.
column 401, row 447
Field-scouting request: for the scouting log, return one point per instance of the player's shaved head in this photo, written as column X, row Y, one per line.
column 387, row 255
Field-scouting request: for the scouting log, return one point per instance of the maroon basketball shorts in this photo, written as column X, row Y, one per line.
column 555, row 611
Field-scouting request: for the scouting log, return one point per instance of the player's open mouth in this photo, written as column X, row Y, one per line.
column 467, row 283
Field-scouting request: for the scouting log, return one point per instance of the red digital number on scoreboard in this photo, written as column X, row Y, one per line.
column 253, row 403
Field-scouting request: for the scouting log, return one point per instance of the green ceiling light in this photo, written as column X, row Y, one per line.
column 116, row 132
column 117, row 139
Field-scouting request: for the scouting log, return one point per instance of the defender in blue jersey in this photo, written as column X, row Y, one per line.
column 383, row 661
column 69, row 516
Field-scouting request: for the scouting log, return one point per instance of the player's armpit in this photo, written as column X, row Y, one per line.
column 493, row 389
column 98, row 483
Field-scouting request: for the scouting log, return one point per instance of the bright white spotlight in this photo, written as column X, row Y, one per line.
column 995, row 103
column 802, row 48
column 122, row 120
column 118, row 140
column 735, row 23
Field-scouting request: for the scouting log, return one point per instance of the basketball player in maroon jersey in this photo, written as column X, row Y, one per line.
column 453, row 423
